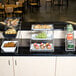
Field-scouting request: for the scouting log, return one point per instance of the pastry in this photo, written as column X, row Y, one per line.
column 37, row 47
column 49, row 47
column 10, row 44
column 42, row 26
column 12, row 22
column 35, row 44
column 10, row 31
column 47, row 44
column 37, row 26
column 45, row 26
column 42, row 47
column 41, row 44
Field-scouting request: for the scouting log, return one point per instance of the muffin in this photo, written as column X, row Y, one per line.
column 47, row 44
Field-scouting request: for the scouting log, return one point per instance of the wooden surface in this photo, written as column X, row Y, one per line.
column 10, row 5
column 1, row 7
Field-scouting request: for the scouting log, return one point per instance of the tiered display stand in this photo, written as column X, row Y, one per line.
column 49, row 39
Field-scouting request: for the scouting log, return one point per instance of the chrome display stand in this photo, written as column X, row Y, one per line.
column 46, row 40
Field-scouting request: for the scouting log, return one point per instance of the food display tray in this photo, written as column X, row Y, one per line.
column 8, row 49
column 41, row 50
column 43, row 29
column 9, row 35
column 49, row 37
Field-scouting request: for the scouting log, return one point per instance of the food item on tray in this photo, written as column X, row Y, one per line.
column 49, row 47
column 41, row 35
column 12, row 22
column 15, row 22
column 10, row 44
column 47, row 44
column 37, row 47
column 3, row 23
column 42, row 46
column 47, row 27
column 38, row 26
column 10, row 31
column 10, row 19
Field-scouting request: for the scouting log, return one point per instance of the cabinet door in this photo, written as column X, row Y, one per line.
column 34, row 66
column 66, row 66
column 6, row 67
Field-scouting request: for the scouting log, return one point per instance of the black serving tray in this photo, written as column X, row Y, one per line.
column 9, row 35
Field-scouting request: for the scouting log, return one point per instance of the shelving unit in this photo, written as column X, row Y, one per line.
column 43, row 38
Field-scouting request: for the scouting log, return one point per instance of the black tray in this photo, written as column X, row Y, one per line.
column 9, row 35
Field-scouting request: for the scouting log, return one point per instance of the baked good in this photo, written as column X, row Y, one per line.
column 14, row 22
column 10, row 31
column 49, row 47
column 42, row 26
column 10, row 20
column 47, row 44
column 34, row 45
column 41, row 44
column 10, row 44
column 42, row 47
column 37, row 47
column 37, row 26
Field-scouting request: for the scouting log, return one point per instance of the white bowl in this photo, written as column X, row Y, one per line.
column 8, row 49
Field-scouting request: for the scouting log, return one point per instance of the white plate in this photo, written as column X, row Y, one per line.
column 8, row 49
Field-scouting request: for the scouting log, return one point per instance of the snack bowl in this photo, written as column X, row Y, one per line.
column 8, row 49
column 9, row 33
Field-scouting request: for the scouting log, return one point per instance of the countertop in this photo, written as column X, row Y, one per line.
column 27, row 25
column 24, row 49
column 24, row 44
